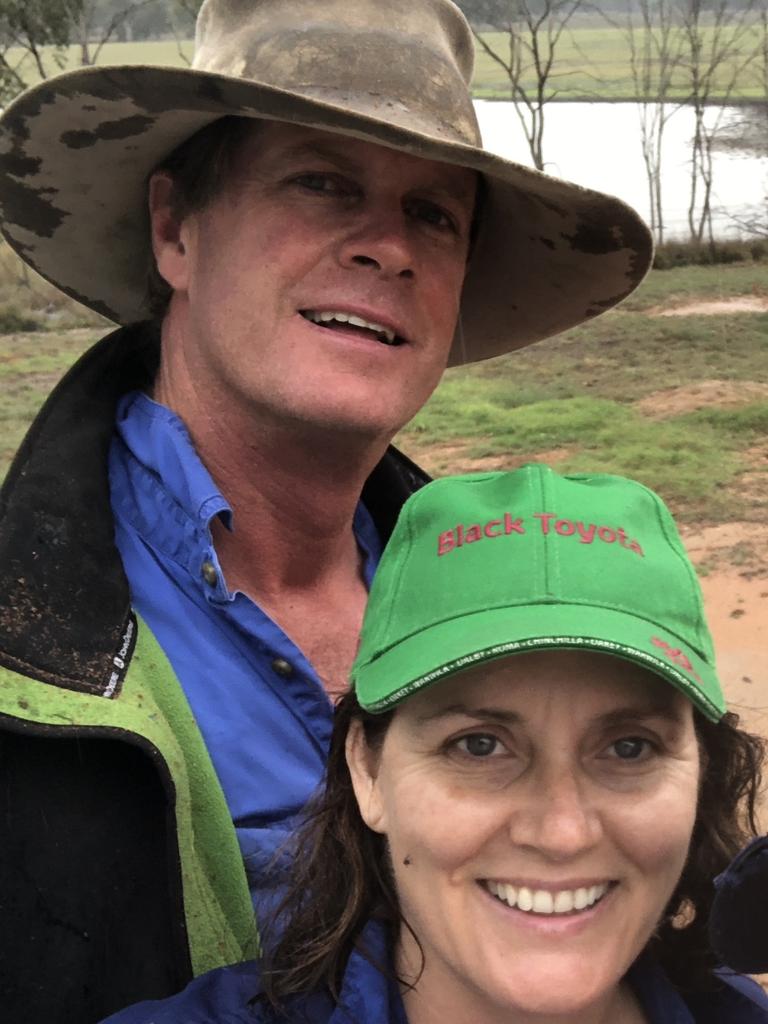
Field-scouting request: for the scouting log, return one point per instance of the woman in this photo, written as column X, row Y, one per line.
column 531, row 785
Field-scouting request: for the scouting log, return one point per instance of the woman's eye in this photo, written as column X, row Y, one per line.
column 631, row 748
column 479, row 744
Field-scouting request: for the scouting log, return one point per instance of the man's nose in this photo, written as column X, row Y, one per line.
column 381, row 242
column 559, row 816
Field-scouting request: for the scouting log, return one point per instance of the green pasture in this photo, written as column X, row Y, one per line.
column 579, row 400
column 165, row 52
column 592, row 63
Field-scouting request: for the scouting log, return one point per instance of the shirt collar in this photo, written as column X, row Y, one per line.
column 171, row 498
column 160, row 441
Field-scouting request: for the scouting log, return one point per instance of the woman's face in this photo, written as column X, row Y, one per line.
column 538, row 812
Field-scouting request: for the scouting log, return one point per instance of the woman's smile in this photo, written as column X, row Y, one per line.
column 561, row 913
column 521, row 804
column 551, row 901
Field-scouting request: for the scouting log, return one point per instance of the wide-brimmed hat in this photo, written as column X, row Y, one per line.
column 76, row 151
column 489, row 565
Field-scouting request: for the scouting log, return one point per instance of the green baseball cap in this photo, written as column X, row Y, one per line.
column 492, row 564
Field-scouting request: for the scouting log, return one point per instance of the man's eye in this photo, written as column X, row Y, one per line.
column 631, row 748
column 479, row 744
column 432, row 214
column 326, row 184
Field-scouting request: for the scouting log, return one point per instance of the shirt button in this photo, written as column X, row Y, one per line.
column 282, row 667
column 210, row 575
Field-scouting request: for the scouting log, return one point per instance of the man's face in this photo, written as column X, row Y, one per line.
column 311, row 224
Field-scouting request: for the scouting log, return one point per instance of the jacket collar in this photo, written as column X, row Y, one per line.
column 65, row 615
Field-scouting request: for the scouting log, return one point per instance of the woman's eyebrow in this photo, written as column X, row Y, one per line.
column 667, row 710
column 481, row 714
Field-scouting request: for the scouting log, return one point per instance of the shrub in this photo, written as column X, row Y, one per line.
column 12, row 322
column 684, row 254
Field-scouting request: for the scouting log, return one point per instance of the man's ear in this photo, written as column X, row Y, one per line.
column 168, row 231
column 363, row 770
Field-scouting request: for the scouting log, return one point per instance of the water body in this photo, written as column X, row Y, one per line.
column 598, row 145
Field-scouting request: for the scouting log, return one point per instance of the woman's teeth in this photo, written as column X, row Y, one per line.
column 542, row 901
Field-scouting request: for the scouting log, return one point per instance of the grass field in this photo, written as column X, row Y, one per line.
column 592, row 63
column 681, row 403
column 678, row 402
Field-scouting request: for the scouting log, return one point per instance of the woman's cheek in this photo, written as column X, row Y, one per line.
column 444, row 825
column 651, row 847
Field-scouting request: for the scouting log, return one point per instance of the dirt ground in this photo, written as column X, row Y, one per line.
column 738, row 304
column 736, row 602
column 736, row 587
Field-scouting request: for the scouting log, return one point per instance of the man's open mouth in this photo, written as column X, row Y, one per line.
column 350, row 322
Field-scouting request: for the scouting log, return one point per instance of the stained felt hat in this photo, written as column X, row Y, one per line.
column 77, row 150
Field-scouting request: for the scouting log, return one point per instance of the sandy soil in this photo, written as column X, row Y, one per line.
column 736, row 601
column 700, row 395
column 737, row 304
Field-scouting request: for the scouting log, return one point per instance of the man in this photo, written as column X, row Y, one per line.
column 190, row 527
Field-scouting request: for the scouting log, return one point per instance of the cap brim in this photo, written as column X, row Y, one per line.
column 77, row 150
column 457, row 644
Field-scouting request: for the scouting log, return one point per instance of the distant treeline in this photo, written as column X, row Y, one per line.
column 488, row 11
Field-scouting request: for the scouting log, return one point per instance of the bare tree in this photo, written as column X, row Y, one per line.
column 654, row 58
column 719, row 44
column 761, row 63
column 99, row 21
column 531, row 33
column 183, row 17
column 32, row 30
column 26, row 27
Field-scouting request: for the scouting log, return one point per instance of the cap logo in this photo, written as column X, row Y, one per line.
column 676, row 656
column 548, row 523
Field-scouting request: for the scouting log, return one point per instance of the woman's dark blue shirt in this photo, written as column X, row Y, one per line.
column 368, row 997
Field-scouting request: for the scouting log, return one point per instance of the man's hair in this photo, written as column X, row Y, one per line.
column 342, row 875
column 199, row 167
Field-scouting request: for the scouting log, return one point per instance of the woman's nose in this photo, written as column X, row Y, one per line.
column 558, row 817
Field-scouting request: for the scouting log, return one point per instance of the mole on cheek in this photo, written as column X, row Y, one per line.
column 406, row 860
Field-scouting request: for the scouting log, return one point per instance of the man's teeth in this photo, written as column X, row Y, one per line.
column 542, row 901
column 326, row 316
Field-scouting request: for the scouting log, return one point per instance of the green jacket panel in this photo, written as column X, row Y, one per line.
column 152, row 712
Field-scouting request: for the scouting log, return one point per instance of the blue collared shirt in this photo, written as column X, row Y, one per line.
column 370, row 997
column 267, row 731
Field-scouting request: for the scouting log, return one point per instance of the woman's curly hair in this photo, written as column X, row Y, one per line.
column 342, row 877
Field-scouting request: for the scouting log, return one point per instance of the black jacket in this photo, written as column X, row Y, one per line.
column 90, row 892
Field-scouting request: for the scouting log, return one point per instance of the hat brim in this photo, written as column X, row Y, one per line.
column 77, row 149
column 455, row 645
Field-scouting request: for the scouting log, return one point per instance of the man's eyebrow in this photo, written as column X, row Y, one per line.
column 324, row 150
column 453, row 187
column 481, row 714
